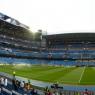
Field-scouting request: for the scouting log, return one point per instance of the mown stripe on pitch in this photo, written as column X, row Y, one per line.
column 45, row 73
column 36, row 72
column 88, row 77
column 55, row 75
column 72, row 77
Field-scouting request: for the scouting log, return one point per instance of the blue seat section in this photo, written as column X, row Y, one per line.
column 73, row 45
column 15, row 60
column 17, row 42
column 66, row 63
column 50, row 62
column 71, row 54
column 74, row 51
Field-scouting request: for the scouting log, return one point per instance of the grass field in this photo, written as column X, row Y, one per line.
column 67, row 75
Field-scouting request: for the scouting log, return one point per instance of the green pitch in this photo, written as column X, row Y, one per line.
column 67, row 75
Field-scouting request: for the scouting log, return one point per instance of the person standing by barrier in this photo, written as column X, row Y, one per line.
column 5, row 82
column 14, row 73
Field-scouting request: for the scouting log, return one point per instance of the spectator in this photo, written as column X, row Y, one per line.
column 53, row 93
column 61, row 93
column 49, row 93
column 56, row 93
column 2, row 81
column 17, row 83
column 46, row 90
column 33, row 92
column 1, row 91
column 86, row 92
column 29, row 86
column 14, row 86
column 14, row 74
column 5, row 82
column 22, row 84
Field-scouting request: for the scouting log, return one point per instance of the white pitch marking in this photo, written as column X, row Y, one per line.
column 82, row 74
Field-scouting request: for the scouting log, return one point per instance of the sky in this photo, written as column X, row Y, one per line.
column 53, row 16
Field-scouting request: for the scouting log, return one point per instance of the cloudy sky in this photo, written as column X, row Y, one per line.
column 53, row 16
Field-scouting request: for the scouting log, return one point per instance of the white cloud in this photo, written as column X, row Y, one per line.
column 55, row 16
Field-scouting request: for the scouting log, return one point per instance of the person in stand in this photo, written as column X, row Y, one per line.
column 46, row 90
column 33, row 92
column 56, row 85
column 49, row 92
column 2, row 81
column 14, row 87
column 5, row 82
column 1, row 91
column 22, row 84
column 86, row 92
column 17, row 83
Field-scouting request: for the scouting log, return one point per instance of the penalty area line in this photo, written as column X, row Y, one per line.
column 82, row 74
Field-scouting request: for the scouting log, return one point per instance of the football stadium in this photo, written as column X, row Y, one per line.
column 39, row 64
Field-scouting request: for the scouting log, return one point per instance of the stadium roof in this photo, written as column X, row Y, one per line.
column 12, row 21
column 71, row 37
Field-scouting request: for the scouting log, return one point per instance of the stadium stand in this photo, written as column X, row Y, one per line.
column 17, row 45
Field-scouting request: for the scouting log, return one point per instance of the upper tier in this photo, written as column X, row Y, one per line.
column 71, row 37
